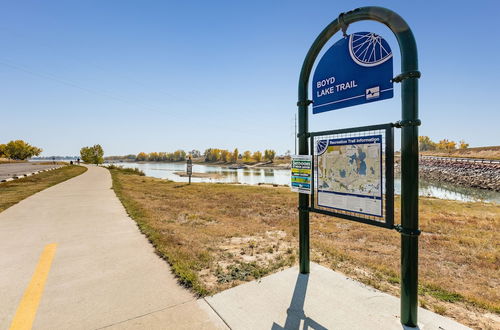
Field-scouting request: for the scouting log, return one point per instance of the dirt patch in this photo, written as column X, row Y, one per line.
column 241, row 258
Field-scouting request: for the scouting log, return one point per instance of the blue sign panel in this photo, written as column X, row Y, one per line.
column 355, row 70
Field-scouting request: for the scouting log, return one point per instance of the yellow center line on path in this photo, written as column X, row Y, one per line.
column 26, row 311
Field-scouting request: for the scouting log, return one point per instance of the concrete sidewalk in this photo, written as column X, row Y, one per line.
column 12, row 171
column 104, row 272
column 324, row 299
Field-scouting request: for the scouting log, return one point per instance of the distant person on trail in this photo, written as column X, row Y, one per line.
column 54, row 160
column 78, row 161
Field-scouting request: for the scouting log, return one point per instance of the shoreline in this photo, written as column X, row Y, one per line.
column 183, row 174
column 484, row 176
column 262, row 165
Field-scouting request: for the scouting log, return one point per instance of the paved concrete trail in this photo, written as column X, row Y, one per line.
column 71, row 258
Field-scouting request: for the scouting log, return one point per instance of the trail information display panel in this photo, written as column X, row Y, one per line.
column 301, row 174
column 350, row 174
column 353, row 174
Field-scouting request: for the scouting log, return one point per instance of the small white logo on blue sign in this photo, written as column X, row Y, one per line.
column 373, row 93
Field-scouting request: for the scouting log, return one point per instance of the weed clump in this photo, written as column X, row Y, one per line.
column 126, row 170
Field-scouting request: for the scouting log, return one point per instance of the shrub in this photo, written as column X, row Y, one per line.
column 128, row 170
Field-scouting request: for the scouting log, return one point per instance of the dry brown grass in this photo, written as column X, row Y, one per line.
column 13, row 192
column 492, row 152
column 217, row 235
column 8, row 161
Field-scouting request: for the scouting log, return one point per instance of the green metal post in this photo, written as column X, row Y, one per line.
column 409, row 148
column 303, row 198
column 409, row 193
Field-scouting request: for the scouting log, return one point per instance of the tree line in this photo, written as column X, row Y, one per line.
column 426, row 144
column 18, row 150
column 176, row 156
column 215, row 155
column 210, row 155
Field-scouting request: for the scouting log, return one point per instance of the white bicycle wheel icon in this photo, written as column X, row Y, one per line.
column 368, row 49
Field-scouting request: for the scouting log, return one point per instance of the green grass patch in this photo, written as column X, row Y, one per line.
column 439, row 293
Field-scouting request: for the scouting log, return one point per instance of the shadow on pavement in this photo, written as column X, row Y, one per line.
column 295, row 313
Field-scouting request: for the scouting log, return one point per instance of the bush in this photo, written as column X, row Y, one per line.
column 128, row 170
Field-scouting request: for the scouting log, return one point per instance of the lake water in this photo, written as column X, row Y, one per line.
column 282, row 177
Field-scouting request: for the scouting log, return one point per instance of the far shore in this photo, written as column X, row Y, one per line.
column 198, row 175
column 261, row 165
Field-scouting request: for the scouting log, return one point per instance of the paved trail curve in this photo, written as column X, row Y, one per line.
column 71, row 258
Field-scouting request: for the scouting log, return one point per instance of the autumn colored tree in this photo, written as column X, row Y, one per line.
column 212, row 155
column 179, row 155
column 446, row 145
column 162, row 156
column 225, row 156
column 142, row 156
column 19, row 150
column 426, row 144
column 463, row 145
column 247, row 156
column 235, row 155
column 153, row 157
column 257, row 156
column 195, row 153
column 269, row 155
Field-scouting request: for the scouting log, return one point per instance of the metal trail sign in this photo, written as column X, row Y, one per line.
column 357, row 69
column 409, row 128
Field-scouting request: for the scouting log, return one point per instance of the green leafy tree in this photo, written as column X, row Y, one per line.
column 269, row 155
column 3, row 151
column 92, row 155
column 86, row 154
column 19, row 150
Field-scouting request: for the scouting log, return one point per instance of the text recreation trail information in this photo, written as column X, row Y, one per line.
column 350, row 174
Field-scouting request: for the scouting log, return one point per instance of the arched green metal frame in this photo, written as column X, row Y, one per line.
column 409, row 147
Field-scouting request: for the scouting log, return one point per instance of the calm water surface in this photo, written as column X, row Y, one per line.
column 282, row 177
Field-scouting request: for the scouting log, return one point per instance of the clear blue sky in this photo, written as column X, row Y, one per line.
column 160, row 75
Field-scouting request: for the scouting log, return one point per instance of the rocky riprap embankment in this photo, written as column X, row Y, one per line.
column 466, row 173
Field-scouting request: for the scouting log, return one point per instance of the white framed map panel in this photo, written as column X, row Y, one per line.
column 353, row 175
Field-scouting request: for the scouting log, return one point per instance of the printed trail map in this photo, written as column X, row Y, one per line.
column 351, row 168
